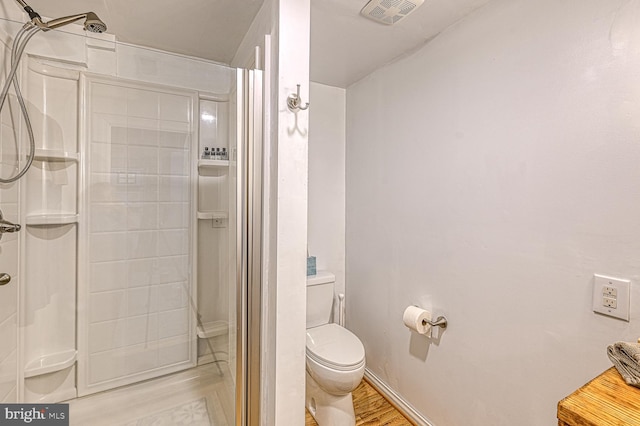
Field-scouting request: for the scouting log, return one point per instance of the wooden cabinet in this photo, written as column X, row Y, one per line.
column 605, row 401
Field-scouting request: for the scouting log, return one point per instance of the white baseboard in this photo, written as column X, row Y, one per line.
column 406, row 408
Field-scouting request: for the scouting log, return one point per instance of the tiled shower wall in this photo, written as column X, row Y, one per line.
column 139, row 234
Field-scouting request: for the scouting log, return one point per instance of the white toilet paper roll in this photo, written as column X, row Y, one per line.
column 416, row 319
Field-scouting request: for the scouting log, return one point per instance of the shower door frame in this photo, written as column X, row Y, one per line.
column 249, row 216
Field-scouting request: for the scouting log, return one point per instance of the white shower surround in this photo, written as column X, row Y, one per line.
column 95, row 55
column 9, row 261
column 489, row 176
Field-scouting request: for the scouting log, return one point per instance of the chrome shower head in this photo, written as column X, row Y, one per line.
column 94, row 24
column 91, row 21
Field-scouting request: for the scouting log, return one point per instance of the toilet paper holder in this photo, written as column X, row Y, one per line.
column 439, row 322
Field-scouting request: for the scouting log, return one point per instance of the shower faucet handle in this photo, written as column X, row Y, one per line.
column 6, row 226
column 4, row 278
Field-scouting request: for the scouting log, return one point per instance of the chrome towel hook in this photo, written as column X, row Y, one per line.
column 294, row 102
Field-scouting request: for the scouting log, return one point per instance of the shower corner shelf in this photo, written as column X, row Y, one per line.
column 213, row 329
column 55, row 155
column 212, row 164
column 51, row 219
column 51, row 363
column 213, row 215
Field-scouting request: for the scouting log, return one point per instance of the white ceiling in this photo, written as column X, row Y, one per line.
column 210, row 29
column 345, row 46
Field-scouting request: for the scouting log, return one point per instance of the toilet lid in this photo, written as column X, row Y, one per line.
column 334, row 346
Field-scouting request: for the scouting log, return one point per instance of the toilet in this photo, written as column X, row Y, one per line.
column 335, row 358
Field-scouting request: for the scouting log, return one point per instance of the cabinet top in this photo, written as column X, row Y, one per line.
column 605, row 400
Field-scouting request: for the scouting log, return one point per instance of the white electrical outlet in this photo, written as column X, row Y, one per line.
column 611, row 296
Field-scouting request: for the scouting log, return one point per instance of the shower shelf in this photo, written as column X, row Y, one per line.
column 51, row 363
column 212, row 329
column 55, row 155
column 213, row 215
column 212, row 164
column 52, row 219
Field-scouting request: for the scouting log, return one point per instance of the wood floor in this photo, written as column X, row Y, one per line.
column 371, row 409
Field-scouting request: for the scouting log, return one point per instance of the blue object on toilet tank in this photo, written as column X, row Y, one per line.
column 311, row 265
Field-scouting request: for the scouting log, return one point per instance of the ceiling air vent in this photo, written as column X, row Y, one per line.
column 389, row 11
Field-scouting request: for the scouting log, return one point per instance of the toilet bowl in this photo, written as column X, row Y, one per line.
column 335, row 364
column 335, row 357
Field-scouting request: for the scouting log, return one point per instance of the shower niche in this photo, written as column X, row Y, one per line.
column 213, row 230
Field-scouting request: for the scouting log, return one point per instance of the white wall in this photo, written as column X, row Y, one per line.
column 291, row 235
column 489, row 176
column 326, row 231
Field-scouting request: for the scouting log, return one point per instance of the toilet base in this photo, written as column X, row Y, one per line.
column 327, row 409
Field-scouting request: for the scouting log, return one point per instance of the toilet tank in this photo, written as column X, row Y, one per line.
column 320, row 298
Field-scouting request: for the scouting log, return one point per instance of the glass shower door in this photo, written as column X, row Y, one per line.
column 137, row 245
column 136, row 291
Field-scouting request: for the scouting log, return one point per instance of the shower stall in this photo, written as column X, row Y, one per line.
column 129, row 291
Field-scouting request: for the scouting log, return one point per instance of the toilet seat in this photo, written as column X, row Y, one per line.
column 335, row 347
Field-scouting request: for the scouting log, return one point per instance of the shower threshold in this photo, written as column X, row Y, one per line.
column 195, row 397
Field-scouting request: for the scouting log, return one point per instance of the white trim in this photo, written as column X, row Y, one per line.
column 21, row 317
column 267, row 362
column 53, row 71
column 397, row 400
column 216, row 97
column 169, row 53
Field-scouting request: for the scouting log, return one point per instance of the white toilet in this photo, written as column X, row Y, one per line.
column 335, row 357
